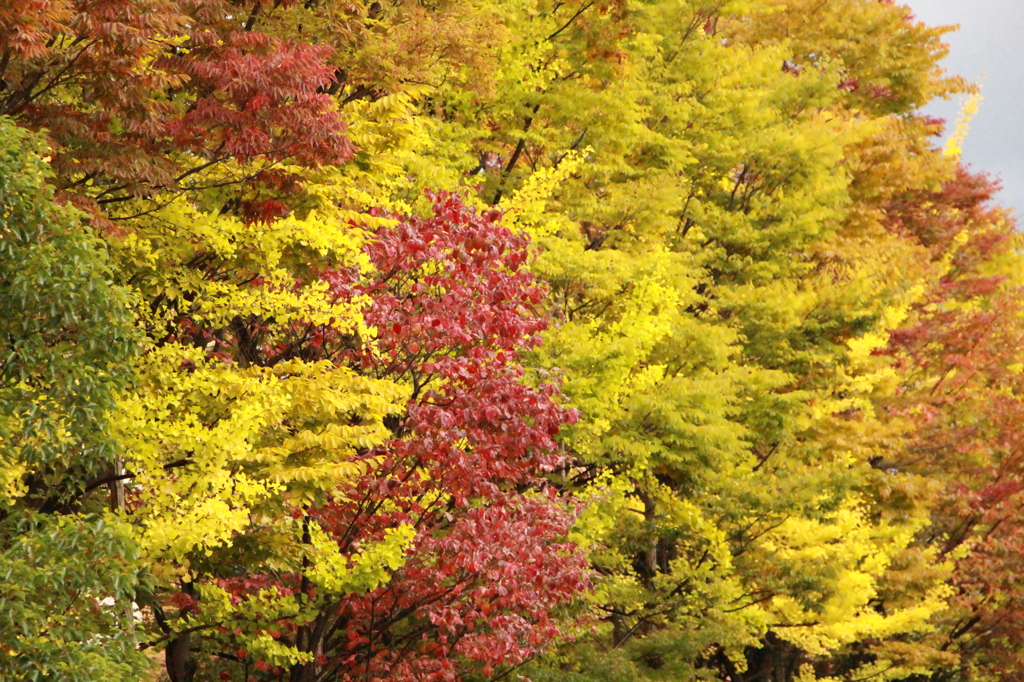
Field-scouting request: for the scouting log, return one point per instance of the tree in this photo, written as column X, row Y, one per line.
column 69, row 574
column 292, row 564
column 723, row 283
column 212, row 163
column 784, row 321
column 962, row 397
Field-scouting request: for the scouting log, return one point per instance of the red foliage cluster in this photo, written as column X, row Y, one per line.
column 452, row 306
column 965, row 399
column 139, row 95
column 491, row 565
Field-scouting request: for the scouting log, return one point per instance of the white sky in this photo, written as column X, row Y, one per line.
column 988, row 49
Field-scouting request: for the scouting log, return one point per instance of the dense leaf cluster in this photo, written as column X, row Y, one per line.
column 580, row 341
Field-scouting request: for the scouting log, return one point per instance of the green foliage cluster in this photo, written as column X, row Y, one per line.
column 67, row 576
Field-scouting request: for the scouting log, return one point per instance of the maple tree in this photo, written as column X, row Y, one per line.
column 486, row 563
column 962, row 398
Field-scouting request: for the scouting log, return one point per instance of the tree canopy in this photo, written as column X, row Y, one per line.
column 574, row 341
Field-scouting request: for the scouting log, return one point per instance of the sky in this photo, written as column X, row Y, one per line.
column 988, row 49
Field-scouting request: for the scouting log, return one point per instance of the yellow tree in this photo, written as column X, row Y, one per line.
column 708, row 190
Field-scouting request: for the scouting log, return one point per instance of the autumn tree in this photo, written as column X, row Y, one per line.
column 443, row 498
column 961, row 394
column 266, row 426
column 723, row 282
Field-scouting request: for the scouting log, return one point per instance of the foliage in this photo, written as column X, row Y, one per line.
column 323, row 512
column 68, row 576
column 435, row 298
column 962, row 394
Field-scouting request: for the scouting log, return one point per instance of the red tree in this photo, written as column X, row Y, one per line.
column 453, row 306
column 491, row 566
column 964, row 396
column 139, row 97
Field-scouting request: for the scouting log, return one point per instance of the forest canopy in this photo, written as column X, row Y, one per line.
column 570, row 341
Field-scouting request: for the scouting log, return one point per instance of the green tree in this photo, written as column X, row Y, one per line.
column 68, row 570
